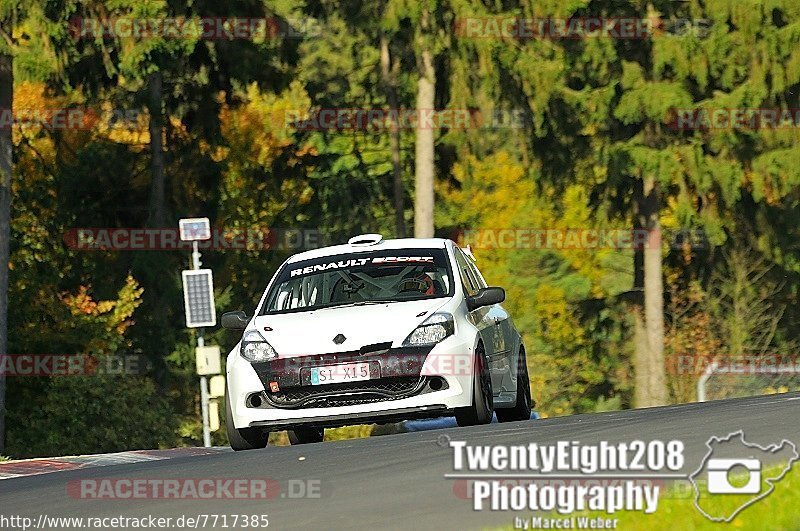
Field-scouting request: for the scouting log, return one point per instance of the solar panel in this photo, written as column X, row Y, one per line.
column 194, row 229
column 198, row 298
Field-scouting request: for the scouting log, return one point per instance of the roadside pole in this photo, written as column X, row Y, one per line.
column 201, row 342
column 198, row 296
column 204, row 399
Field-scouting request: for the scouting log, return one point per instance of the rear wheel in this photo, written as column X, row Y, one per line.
column 482, row 408
column 522, row 408
column 306, row 435
column 243, row 438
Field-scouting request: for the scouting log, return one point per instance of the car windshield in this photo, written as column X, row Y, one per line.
column 380, row 276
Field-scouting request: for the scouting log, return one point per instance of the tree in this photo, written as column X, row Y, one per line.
column 11, row 12
column 604, row 111
column 388, row 78
column 424, row 148
column 6, row 170
column 157, row 204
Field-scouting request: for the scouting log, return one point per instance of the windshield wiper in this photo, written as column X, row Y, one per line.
column 355, row 303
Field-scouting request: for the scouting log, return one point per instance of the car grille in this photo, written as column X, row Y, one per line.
column 348, row 394
column 397, row 362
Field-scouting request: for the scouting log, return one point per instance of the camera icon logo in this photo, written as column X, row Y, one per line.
column 719, row 476
column 731, row 478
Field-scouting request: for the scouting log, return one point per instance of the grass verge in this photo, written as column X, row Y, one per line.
column 780, row 510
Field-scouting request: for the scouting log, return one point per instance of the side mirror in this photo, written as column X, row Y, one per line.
column 484, row 297
column 235, row 320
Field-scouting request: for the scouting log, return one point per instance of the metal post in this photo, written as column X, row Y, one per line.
column 204, row 397
column 203, row 380
column 701, row 382
column 195, row 256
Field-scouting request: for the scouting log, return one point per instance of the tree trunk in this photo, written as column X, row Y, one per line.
column 394, row 137
column 424, row 157
column 641, row 355
column 641, row 360
column 157, row 208
column 154, row 274
column 399, row 192
column 650, row 353
column 6, row 167
column 654, row 298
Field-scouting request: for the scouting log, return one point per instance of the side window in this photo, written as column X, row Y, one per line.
column 471, row 285
column 476, row 274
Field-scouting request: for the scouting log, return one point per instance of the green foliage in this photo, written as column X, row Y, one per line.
column 95, row 414
column 598, row 120
column 567, row 340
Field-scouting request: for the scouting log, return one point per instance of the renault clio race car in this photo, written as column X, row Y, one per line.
column 373, row 332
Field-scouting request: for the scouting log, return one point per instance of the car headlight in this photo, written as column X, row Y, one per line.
column 256, row 348
column 432, row 330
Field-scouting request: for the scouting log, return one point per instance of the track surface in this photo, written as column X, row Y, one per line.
column 396, row 481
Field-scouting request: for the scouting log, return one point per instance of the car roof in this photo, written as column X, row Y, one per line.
column 398, row 243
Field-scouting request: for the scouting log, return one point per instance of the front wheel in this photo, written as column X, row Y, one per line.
column 522, row 408
column 243, row 438
column 306, row 435
column 482, row 408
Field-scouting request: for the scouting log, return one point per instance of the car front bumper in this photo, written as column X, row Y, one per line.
column 448, row 360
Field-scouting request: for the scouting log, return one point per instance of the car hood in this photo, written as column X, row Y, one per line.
column 311, row 333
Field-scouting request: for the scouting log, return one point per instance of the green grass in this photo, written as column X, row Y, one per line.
column 780, row 510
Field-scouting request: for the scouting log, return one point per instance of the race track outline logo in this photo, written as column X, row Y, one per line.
column 717, row 466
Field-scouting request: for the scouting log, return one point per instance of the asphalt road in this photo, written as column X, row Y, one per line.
column 396, row 481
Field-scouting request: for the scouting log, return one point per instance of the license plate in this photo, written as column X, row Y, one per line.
column 348, row 372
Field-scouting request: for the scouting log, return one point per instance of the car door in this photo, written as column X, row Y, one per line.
column 483, row 318
column 502, row 361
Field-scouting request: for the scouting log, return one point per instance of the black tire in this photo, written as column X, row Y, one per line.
column 243, row 438
column 306, row 435
column 482, row 408
column 522, row 408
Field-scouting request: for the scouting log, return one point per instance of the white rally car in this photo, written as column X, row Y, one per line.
column 373, row 332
